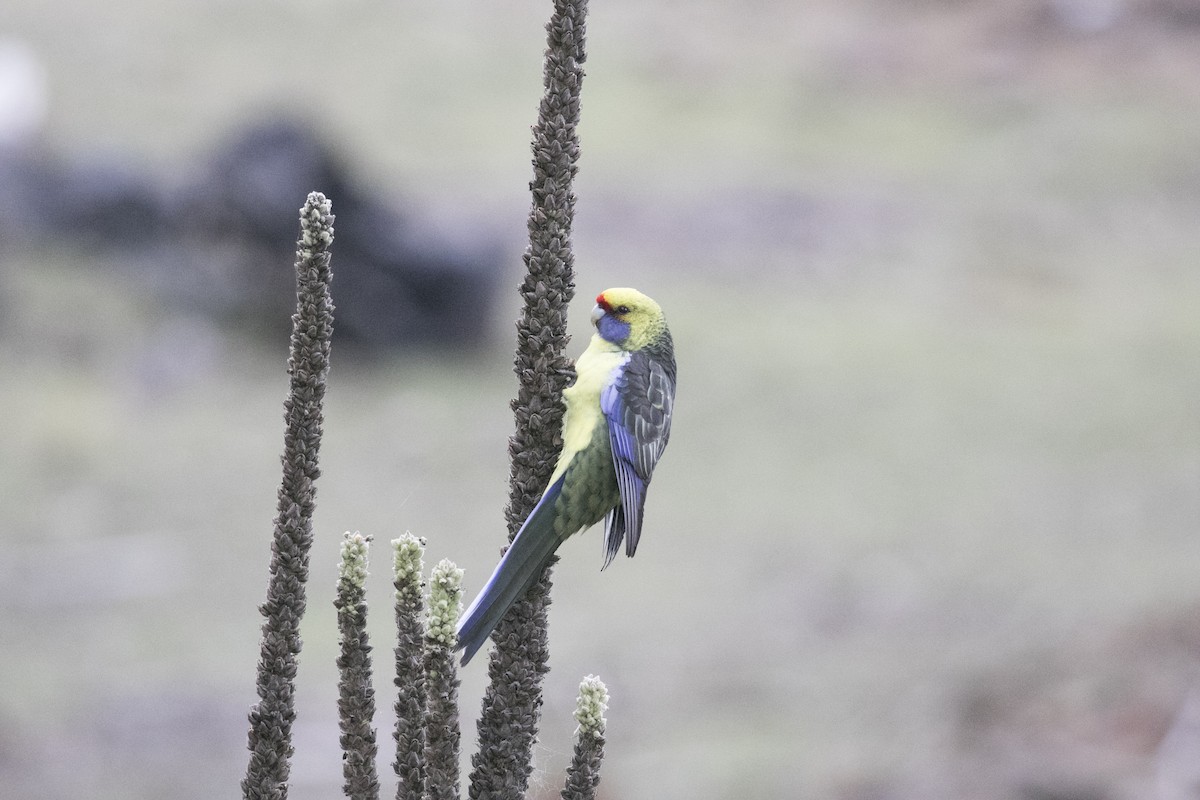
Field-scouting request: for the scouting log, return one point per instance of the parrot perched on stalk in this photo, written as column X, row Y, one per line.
column 617, row 422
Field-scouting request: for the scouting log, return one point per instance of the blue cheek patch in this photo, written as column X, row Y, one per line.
column 613, row 330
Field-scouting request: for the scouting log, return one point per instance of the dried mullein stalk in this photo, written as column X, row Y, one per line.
column 356, row 697
column 584, row 773
column 270, row 735
column 410, row 667
column 511, row 706
column 442, row 733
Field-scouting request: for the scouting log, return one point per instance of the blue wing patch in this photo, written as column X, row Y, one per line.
column 637, row 405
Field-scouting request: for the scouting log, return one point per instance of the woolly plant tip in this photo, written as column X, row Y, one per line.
column 353, row 567
column 445, row 603
column 407, row 563
column 316, row 223
column 591, row 705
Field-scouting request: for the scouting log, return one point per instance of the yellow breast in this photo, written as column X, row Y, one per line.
column 593, row 371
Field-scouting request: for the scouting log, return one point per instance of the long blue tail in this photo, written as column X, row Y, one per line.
column 521, row 565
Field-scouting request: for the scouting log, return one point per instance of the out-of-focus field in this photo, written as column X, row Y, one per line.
column 928, row 523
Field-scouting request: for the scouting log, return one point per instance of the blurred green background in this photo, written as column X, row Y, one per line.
column 927, row 525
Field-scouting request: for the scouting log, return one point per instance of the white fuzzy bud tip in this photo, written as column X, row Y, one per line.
column 445, row 603
column 353, row 566
column 590, row 708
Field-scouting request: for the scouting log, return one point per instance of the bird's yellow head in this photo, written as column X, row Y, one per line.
column 628, row 318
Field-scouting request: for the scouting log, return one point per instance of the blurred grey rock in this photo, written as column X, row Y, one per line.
column 222, row 245
column 391, row 285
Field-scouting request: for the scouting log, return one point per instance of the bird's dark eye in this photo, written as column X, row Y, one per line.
column 622, row 309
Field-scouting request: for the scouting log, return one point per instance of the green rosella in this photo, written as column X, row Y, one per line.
column 617, row 422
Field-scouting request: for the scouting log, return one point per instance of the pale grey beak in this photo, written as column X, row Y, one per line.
column 597, row 312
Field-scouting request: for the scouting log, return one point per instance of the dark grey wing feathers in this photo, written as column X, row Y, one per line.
column 638, row 407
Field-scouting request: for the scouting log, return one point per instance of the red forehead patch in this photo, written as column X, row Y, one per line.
column 600, row 301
